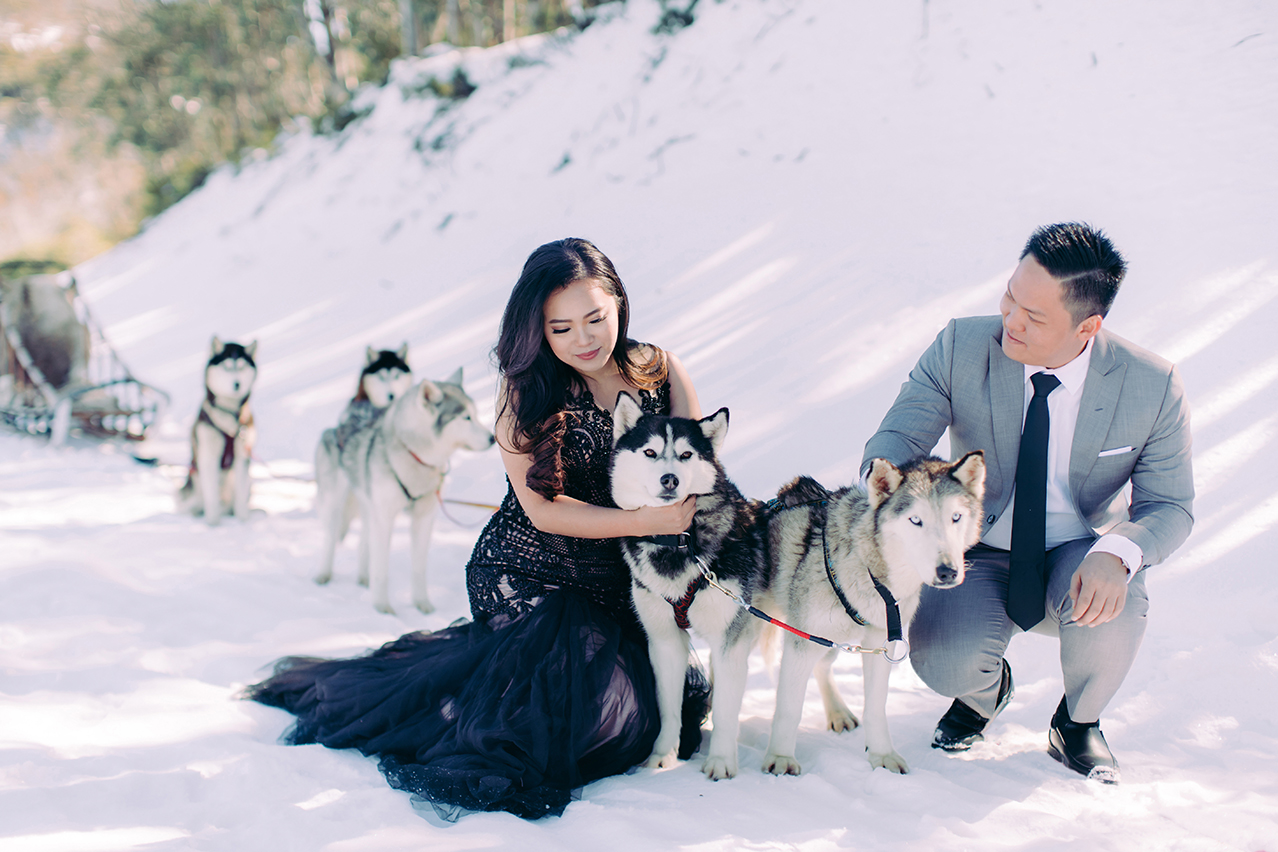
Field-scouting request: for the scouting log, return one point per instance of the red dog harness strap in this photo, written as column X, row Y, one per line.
column 682, row 605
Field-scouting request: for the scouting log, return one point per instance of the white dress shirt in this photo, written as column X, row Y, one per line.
column 1063, row 522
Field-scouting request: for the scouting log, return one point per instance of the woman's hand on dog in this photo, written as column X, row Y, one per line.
column 665, row 520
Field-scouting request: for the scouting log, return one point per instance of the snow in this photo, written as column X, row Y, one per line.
column 798, row 193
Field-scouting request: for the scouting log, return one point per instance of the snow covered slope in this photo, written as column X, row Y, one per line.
column 798, row 194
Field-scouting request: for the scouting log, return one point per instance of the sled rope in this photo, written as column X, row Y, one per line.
column 885, row 649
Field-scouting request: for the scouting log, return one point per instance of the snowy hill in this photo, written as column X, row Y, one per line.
column 798, row 194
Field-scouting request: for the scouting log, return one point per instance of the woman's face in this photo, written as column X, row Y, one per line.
column 581, row 326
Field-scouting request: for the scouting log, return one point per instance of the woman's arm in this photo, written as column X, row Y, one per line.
column 683, row 396
column 567, row 516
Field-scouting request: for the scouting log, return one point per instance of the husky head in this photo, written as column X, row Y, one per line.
column 435, row 418
column 386, row 376
column 659, row 460
column 927, row 514
column 231, row 370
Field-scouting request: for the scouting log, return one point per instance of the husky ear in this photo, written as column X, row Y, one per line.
column 431, row 392
column 625, row 415
column 402, row 352
column 218, row 345
column 884, row 479
column 251, row 349
column 370, row 355
column 455, row 378
column 970, row 472
column 715, row 427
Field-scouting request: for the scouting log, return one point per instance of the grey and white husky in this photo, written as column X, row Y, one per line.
column 908, row 527
column 222, row 437
column 661, row 460
column 395, row 461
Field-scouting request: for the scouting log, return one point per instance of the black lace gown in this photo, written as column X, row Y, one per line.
column 547, row 689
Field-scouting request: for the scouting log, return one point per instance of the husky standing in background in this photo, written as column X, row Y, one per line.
column 386, row 375
column 394, row 461
column 661, row 460
column 836, row 555
column 222, row 437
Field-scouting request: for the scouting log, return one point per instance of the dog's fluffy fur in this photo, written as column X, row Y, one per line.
column 658, row 461
column 910, row 527
column 222, row 437
column 395, row 461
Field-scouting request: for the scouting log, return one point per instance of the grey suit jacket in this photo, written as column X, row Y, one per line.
column 1131, row 398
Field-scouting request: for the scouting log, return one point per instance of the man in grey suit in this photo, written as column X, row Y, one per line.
column 1106, row 426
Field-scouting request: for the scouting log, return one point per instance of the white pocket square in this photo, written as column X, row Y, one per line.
column 1117, row 451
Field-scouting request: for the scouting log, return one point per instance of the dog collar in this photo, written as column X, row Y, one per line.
column 684, row 541
column 402, row 487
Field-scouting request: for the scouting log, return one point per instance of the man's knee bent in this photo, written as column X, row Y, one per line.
column 952, row 672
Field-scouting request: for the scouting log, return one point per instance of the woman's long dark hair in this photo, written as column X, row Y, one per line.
column 537, row 385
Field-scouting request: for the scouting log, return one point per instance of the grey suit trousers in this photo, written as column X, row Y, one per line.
column 959, row 635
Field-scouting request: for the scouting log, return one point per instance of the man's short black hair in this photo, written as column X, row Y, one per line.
column 1086, row 263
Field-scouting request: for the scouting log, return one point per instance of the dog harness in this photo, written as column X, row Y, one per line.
column 228, row 447
column 687, row 543
column 893, row 611
column 395, row 473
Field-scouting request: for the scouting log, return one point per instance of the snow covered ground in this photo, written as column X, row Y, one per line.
column 798, row 194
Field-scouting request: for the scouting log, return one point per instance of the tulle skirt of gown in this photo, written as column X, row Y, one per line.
column 475, row 719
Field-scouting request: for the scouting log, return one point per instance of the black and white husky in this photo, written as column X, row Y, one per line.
column 386, row 375
column 834, row 554
column 661, row 460
column 394, row 461
column 222, row 437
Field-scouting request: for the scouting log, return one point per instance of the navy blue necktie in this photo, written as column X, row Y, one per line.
column 1026, row 584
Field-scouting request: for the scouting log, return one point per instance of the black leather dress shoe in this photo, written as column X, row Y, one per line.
column 961, row 726
column 1081, row 747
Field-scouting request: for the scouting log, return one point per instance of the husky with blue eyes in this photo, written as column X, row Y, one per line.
column 660, row 460
column 850, row 564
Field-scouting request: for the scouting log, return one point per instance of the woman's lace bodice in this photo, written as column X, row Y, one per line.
column 514, row 564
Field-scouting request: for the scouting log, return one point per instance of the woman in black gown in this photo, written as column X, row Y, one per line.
column 549, row 687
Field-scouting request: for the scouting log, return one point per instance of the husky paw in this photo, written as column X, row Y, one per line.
column 890, row 761
column 363, row 580
column 425, row 606
column 780, row 764
column 322, row 579
column 842, row 720
column 659, row 760
column 719, row 768
column 384, row 607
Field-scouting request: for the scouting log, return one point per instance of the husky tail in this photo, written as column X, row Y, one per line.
column 800, row 491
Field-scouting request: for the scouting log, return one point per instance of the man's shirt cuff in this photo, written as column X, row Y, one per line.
column 1122, row 547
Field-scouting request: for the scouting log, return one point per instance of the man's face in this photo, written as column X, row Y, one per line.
column 1037, row 328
